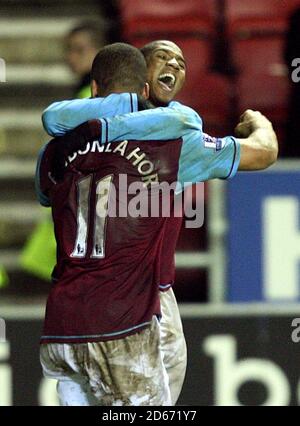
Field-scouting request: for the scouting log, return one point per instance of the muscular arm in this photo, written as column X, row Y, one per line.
column 259, row 147
column 202, row 157
column 62, row 117
column 162, row 123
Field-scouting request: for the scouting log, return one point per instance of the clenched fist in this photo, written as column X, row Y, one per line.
column 250, row 121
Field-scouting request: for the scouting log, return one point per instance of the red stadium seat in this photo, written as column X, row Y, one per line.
column 248, row 17
column 261, row 55
column 210, row 96
column 265, row 93
column 156, row 17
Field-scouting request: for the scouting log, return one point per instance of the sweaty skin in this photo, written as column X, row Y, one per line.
column 165, row 59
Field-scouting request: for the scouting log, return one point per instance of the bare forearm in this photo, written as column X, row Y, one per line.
column 259, row 149
column 262, row 146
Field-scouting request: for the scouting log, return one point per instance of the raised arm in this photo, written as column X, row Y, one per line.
column 222, row 157
column 259, row 146
column 156, row 124
column 61, row 117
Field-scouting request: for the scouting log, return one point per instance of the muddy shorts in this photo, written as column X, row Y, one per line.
column 173, row 343
column 127, row 371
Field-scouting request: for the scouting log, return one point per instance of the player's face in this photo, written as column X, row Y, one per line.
column 80, row 53
column 166, row 72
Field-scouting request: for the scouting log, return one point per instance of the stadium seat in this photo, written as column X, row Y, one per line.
column 210, row 96
column 256, row 30
column 258, row 55
column 156, row 17
column 252, row 17
column 265, row 93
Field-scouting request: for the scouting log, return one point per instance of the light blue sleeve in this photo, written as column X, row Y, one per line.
column 156, row 124
column 42, row 198
column 61, row 117
column 203, row 157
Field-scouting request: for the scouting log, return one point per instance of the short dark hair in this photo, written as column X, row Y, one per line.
column 148, row 48
column 119, row 66
column 95, row 29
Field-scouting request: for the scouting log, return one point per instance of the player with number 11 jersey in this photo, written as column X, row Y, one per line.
column 107, row 274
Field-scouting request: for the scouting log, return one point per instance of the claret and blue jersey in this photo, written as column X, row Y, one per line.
column 109, row 268
column 202, row 157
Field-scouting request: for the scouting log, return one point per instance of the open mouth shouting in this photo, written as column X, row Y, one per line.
column 167, row 81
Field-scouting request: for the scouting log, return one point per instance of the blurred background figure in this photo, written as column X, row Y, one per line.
column 3, row 277
column 292, row 51
column 82, row 44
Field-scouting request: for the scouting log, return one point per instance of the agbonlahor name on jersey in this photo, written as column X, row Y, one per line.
column 137, row 157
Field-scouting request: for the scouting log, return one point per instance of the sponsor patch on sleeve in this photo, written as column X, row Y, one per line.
column 214, row 143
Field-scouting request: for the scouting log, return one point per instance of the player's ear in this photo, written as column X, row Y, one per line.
column 94, row 89
column 146, row 91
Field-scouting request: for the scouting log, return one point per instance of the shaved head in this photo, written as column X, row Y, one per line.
column 166, row 70
column 150, row 47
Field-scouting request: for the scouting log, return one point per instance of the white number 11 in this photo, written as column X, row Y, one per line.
column 98, row 220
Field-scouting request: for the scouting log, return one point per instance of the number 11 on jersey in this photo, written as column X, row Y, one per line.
column 98, row 218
